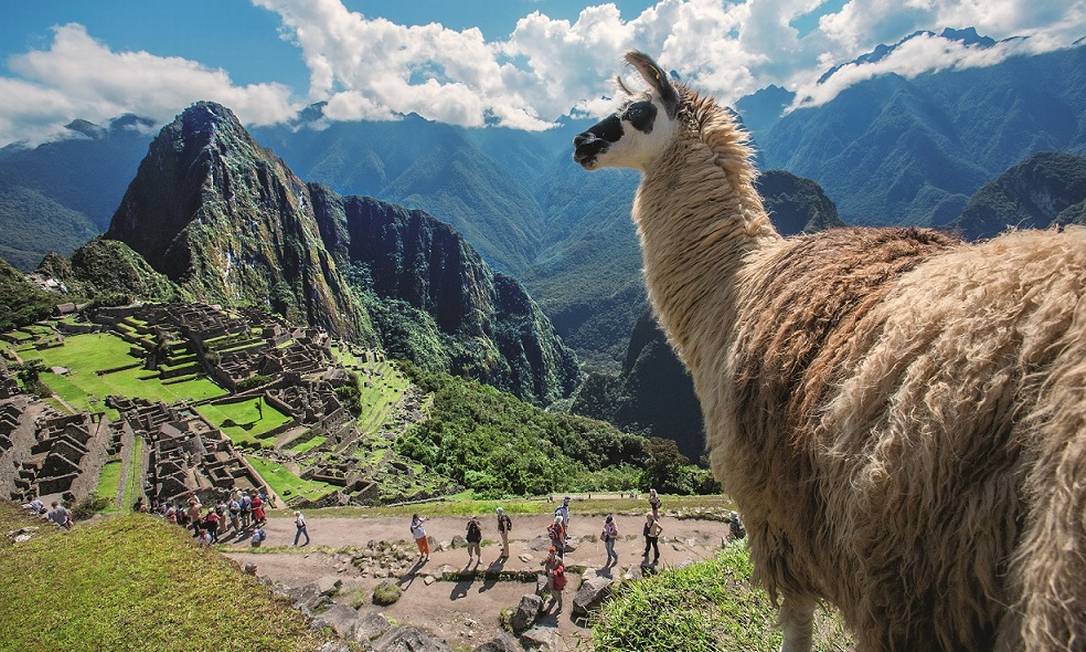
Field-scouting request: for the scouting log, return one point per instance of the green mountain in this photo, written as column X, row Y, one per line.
column 213, row 216
column 1043, row 190
column 892, row 150
column 653, row 393
column 58, row 195
column 21, row 302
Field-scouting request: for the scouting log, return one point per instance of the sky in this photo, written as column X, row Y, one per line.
column 516, row 63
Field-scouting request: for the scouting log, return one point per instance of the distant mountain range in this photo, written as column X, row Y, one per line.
column 888, row 150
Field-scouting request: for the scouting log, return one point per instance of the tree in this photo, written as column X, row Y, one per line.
column 667, row 470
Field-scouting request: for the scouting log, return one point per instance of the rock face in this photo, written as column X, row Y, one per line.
column 653, row 393
column 227, row 221
column 501, row 643
column 409, row 639
column 103, row 267
column 1043, row 190
column 436, row 302
column 526, row 612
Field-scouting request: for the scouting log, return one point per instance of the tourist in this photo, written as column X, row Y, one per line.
column 194, row 514
column 652, row 538
column 563, row 511
column 299, row 523
column 171, row 514
column 258, row 510
column 556, row 578
column 505, row 526
column 736, row 530
column 419, row 533
column 246, row 506
column 139, row 506
column 234, row 507
column 654, row 503
column 203, row 537
column 60, row 517
column 258, row 537
column 182, row 518
column 220, row 509
column 557, row 534
column 211, row 525
column 475, row 538
column 36, row 506
column 609, row 536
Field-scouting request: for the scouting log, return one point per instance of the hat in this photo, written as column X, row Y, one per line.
column 500, row 510
column 566, row 499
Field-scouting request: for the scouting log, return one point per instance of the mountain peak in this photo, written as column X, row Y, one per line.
column 86, row 128
column 966, row 36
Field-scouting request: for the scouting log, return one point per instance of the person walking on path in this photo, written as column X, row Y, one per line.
column 194, row 515
column 211, row 525
column 419, row 533
column 557, row 534
column 234, row 508
column 258, row 537
column 258, row 511
column 474, row 538
column 505, row 526
column 609, row 536
column 245, row 505
column 652, row 532
column 301, row 529
column 556, row 579
column 563, row 511
column 654, row 503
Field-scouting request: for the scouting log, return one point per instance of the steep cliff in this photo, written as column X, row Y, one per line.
column 228, row 222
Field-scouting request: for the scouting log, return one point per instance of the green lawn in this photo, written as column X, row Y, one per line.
column 134, row 481
column 385, row 391
column 109, row 481
column 85, row 390
column 310, row 444
column 248, row 424
column 709, row 606
column 285, row 483
column 135, row 582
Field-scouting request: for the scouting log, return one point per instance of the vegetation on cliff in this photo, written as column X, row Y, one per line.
column 21, row 302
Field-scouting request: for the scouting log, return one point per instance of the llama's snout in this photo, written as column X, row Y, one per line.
column 586, row 147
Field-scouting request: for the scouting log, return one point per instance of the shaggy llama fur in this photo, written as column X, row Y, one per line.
column 901, row 417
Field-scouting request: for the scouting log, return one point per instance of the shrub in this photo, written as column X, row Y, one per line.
column 89, row 506
column 386, row 593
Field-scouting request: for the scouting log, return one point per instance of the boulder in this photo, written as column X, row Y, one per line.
column 370, row 628
column 502, row 643
column 593, row 592
column 334, row 646
column 409, row 639
column 250, row 568
column 328, row 585
column 340, row 618
column 308, row 599
column 459, row 542
column 527, row 611
column 545, row 639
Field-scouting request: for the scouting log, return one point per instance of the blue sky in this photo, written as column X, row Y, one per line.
column 519, row 63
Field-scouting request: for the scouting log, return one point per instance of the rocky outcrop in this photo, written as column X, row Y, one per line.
column 524, row 615
column 591, row 595
column 228, row 222
column 108, row 267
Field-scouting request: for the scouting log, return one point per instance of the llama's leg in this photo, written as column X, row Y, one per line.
column 797, row 623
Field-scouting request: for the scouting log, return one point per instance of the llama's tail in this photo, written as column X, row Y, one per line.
column 1050, row 566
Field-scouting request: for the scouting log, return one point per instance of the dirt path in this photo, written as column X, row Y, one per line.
column 466, row 612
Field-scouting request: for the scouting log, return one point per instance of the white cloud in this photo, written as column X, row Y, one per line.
column 78, row 76
column 371, row 68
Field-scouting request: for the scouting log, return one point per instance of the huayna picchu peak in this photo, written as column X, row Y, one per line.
column 228, row 222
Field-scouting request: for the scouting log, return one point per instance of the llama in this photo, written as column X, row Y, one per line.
column 900, row 416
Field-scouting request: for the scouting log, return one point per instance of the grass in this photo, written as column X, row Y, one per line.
column 466, row 505
column 135, row 582
column 83, row 355
column 709, row 606
column 309, row 444
column 285, row 483
column 249, row 422
column 109, row 482
column 134, row 482
column 386, row 390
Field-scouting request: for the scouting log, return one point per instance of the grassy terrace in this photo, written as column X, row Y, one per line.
column 309, row 444
column 109, row 481
column 134, row 582
column 386, row 390
column 285, row 483
column 243, row 422
column 710, row 606
column 465, row 505
column 82, row 388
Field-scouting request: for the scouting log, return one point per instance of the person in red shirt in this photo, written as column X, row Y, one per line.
column 258, row 511
column 211, row 524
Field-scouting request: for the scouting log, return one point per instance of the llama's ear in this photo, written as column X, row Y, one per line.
column 657, row 78
column 622, row 85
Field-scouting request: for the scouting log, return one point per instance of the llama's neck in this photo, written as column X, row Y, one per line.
column 699, row 219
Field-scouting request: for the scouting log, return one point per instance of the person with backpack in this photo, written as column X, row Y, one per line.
column 474, row 538
column 245, row 507
column 556, row 579
column 505, row 526
column 563, row 512
column 609, row 536
column 557, row 535
column 654, row 503
column 258, row 537
column 234, row 507
column 419, row 534
column 736, row 530
column 651, row 533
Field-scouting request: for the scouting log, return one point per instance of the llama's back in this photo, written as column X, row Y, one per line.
column 942, row 415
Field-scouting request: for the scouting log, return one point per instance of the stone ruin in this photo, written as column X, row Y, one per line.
column 187, row 455
column 64, row 456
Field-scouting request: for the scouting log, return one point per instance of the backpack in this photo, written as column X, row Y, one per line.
column 474, row 534
column 555, row 531
column 559, row 577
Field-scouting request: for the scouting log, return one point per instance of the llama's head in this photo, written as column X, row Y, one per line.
column 640, row 130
